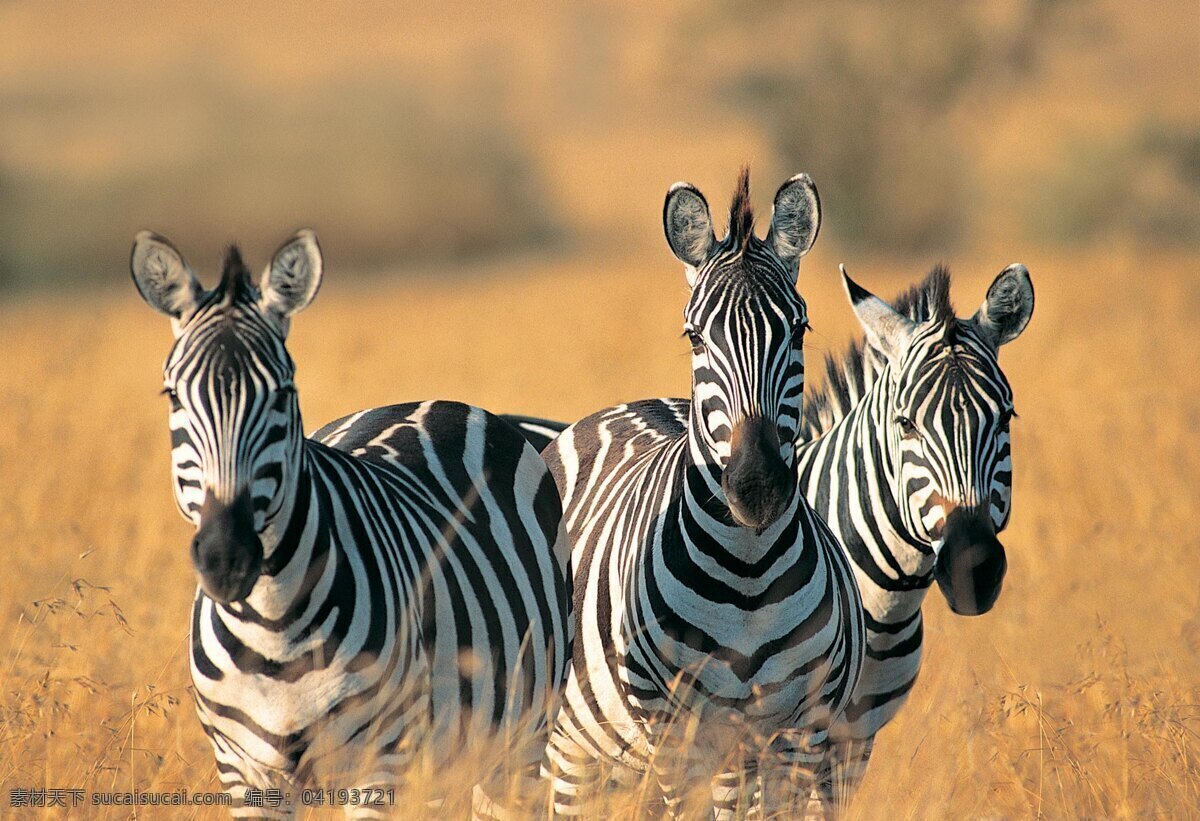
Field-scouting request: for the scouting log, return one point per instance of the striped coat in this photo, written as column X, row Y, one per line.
column 718, row 626
column 949, row 368
column 393, row 588
column 906, row 454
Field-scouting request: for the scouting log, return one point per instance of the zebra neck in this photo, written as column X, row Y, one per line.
column 296, row 483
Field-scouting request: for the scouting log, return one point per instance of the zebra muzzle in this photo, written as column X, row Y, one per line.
column 971, row 563
column 226, row 550
column 757, row 482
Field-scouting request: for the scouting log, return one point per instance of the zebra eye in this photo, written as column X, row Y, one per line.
column 283, row 395
column 172, row 397
column 695, row 339
column 1006, row 417
column 798, row 331
column 908, row 428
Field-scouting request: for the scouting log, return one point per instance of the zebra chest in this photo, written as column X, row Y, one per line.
column 285, row 708
column 713, row 659
column 286, row 683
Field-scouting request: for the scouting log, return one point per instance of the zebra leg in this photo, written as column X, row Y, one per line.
column 512, row 796
column 573, row 773
column 679, row 769
column 516, row 790
column 252, row 785
column 847, row 764
column 734, row 790
column 376, row 784
column 675, row 780
column 371, row 808
column 793, row 772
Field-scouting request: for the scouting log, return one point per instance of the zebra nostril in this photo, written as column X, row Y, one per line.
column 938, row 500
column 939, row 526
column 948, row 507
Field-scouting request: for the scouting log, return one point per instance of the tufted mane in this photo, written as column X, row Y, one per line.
column 741, row 215
column 848, row 377
column 235, row 277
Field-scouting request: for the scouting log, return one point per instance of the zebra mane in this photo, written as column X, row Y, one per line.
column 848, row 377
column 928, row 300
column 741, row 215
column 235, row 277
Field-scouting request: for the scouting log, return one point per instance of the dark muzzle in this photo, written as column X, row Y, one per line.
column 226, row 550
column 758, row 484
column 971, row 564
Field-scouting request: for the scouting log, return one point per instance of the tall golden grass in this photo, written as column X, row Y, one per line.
column 1079, row 695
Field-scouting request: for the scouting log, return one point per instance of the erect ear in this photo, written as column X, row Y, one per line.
column 795, row 220
column 688, row 226
column 1008, row 306
column 162, row 277
column 887, row 330
column 293, row 277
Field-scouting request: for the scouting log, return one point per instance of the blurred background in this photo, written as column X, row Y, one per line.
column 451, row 133
column 487, row 181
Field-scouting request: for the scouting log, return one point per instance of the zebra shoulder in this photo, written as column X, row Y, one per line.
column 595, row 444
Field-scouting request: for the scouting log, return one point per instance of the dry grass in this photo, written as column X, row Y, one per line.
column 1077, row 696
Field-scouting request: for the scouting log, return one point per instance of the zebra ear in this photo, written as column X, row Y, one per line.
column 1008, row 306
column 162, row 277
column 293, row 277
column 688, row 226
column 887, row 330
column 795, row 220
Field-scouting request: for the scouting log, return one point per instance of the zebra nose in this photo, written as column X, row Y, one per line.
column 226, row 551
column 757, row 482
column 971, row 563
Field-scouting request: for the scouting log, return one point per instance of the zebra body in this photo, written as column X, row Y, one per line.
column 718, row 625
column 857, row 475
column 395, row 587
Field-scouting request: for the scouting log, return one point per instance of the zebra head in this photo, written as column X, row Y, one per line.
column 949, row 407
column 235, row 419
column 746, row 323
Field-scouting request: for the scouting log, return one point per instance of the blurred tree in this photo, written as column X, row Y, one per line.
column 863, row 97
column 392, row 167
column 1143, row 184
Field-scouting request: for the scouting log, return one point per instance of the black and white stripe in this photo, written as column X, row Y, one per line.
column 906, row 455
column 396, row 586
column 719, row 627
column 907, row 430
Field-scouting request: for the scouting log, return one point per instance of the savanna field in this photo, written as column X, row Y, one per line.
column 1078, row 696
column 487, row 189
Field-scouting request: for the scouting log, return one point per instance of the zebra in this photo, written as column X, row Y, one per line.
column 719, row 628
column 905, row 452
column 395, row 586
